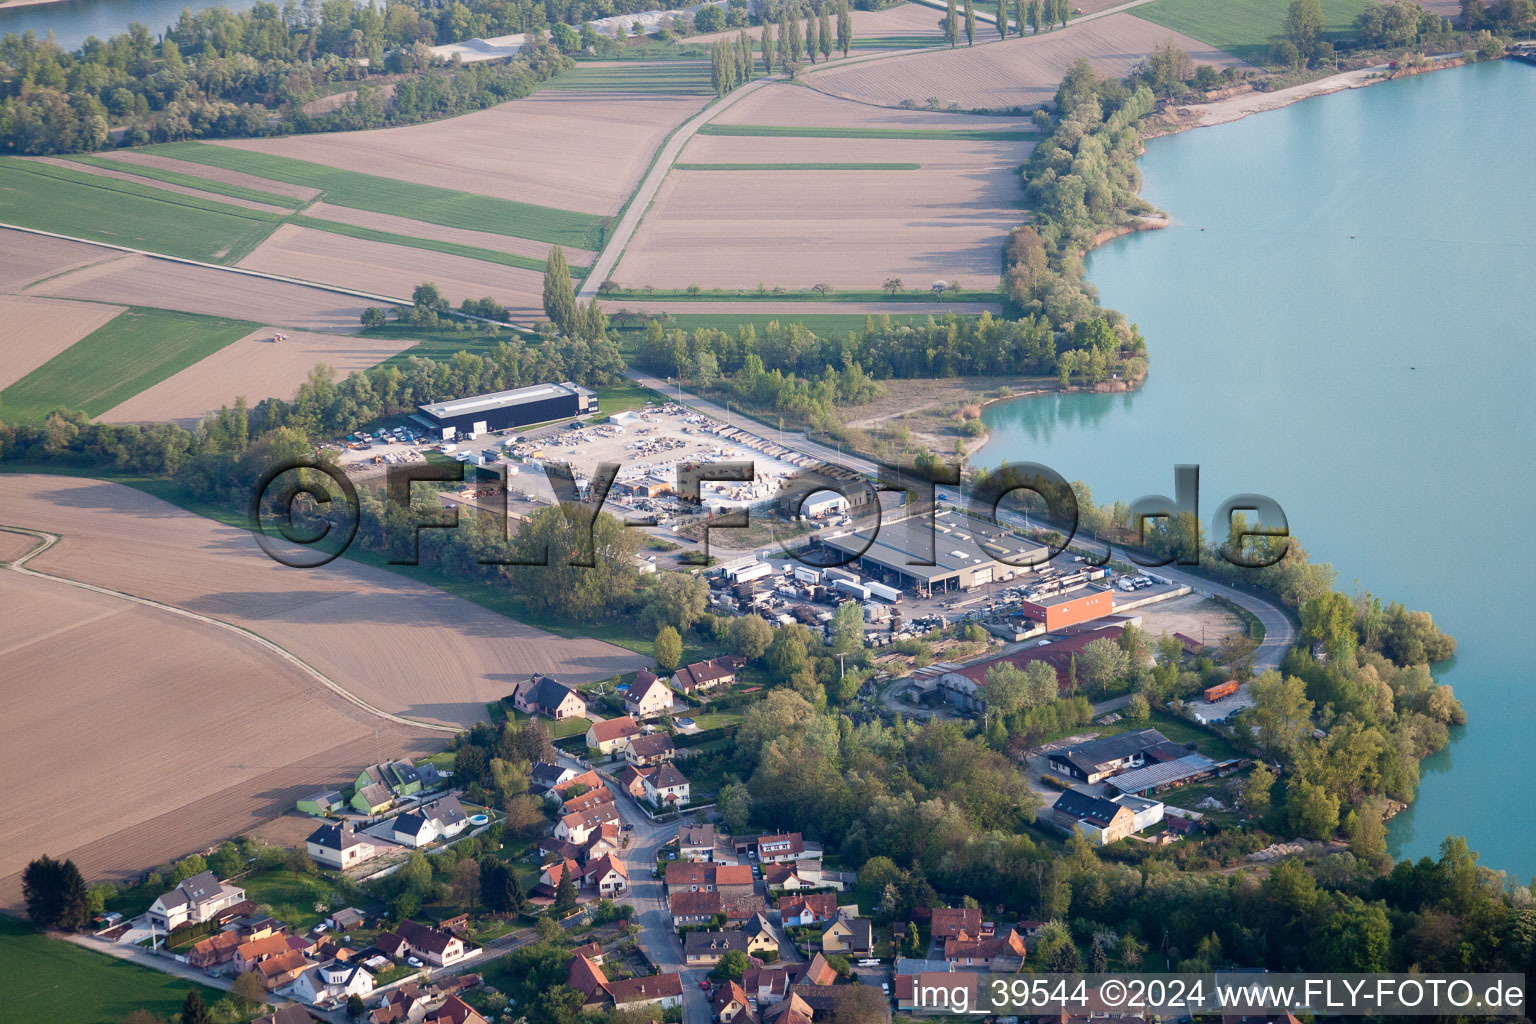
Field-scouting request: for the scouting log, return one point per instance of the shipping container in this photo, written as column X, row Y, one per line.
column 852, row 589
column 837, row 573
column 755, row 571
column 885, row 593
column 1220, row 690
column 805, row 574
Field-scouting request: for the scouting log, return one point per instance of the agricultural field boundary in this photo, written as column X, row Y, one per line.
column 818, row 132
column 799, row 167
column 506, row 259
column 447, row 207
column 189, row 181
column 48, row 540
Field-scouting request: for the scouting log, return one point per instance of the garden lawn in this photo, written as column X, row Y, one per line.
column 289, row 897
column 135, row 350
column 51, row 980
column 1243, row 28
column 434, row 205
column 81, row 205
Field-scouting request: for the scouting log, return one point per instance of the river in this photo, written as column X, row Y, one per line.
column 1343, row 317
column 73, row 21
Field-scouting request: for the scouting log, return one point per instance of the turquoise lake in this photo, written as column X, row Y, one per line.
column 1343, row 317
column 74, row 21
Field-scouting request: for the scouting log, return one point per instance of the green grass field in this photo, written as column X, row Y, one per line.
column 625, row 395
column 190, row 181
column 1243, row 28
column 796, row 167
column 677, row 78
column 137, row 349
column 506, row 259
column 420, row 202
column 51, row 980
column 83, row 205
column 808, row 132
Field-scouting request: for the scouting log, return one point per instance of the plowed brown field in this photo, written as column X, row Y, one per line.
column 788, row 104
column 33, row 331
column 255, row 367
column 393, row 269
column 571, row 151
column 1022, row 72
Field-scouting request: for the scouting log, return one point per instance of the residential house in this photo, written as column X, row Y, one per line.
column 791, row 1009
column 688, row 907
column 706, row 948
column 578, row 826
column 740, row 908
column 193, row 901
column 666, row 787
column 907, row 986
column 784, row 877
column 436, row 947
column 1148, row 812
column 279, row 970
column 374, row 798
column 611, row 735
column 214, row 950
column 1000, row 952
column 690, row 875
column 607, row 875
column 551, row 876
column 958, row 922
column 855, row 936
column 707, row 675
column 332, row 982
column 762, row 936
column 544, row 776
column 663, row 991
column 1097, row 760
column 453, row 1011
column 648, row 697
column 326, row 801
column 587, row 781
column 546, row 695
column 1101, row 820
column 602, row 841
column 811, row 908
column 734, row 880
column 651, row 749
column 780, row 848
column 441, row 819
column 696, row 842
column 392, row 945
column 406, row 1002
column 253, row 951
column 592, row 951
column 632, row 781
column 338, row 847
column 768, row 985
column 288, row 1013
column 819, row 972
column 588, row 801
column 731, row 1003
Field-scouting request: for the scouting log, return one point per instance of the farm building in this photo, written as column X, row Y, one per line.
column 1101, row 820
column 1099, row 759
column 505, row 409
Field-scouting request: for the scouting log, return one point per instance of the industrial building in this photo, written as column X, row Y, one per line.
column 1057, row 611
column 965, row 553
column 965, row 687
column 506, row 409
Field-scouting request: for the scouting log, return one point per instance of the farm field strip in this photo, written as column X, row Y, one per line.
column 415, row 229
column 1015, row 74
column 816, row 132
column 429, row 244
column 132, row 280
column 205, row 172
column 194, row 192
column 34, row 330
column 960, row 156
column 26, row 259
column 253, row 366
column 1242, row 28
column 663, row 78
column 189, row 180
column 430, row 203
column 798, row 167
column 790, row 105
column 367, row 265
column 83, row 205
column 133, row 351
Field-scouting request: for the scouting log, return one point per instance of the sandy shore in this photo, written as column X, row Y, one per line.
column 1224, row 111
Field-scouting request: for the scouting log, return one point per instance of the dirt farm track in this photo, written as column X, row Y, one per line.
column 179, row 732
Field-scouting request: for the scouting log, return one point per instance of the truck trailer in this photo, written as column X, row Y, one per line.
column 884, row 593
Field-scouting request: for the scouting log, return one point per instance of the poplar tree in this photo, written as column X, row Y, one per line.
column 824, row 30
column 1018, row 14
column 1002, row 18
column 767, row 47
column 793, row 35
column 744, row 55
column 812, row 35
column 844, row 27
column 970, row 23
column 951, row 24
column 1063, row 12
column 559, row 296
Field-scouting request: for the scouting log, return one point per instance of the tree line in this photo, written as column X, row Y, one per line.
column 217, row 73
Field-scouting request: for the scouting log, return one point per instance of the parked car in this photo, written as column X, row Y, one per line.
column 414, row 962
